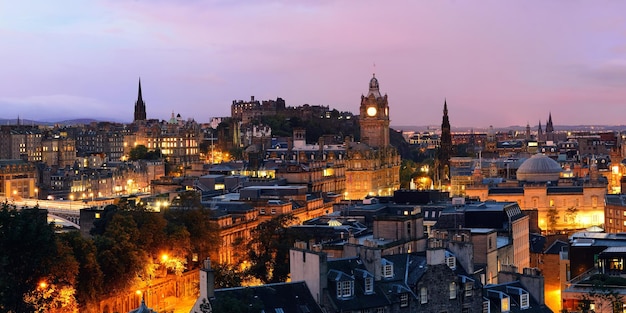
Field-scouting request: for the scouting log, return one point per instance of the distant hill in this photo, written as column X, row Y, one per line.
column 44, row 123
column 591, row 128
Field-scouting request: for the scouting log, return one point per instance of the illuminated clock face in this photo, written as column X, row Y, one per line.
column 371, row 111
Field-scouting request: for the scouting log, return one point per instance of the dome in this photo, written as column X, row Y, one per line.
column 539, row 168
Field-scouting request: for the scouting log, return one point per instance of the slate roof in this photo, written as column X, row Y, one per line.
column 537, row 243
column 556, row 247
column 510, row 289
column 338, row 270
column 291, row 297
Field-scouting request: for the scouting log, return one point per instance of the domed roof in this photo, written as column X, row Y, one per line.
column 539, row 168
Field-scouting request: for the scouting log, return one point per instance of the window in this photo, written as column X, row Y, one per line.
column 452, row 290
column 97, row 215
column 505, row 305
column 388, row 270
column 369, row 285
column 451, row 262
column 423, row 295
column 380, row 310
column 404, row 300
column 344, row 289
column 486, row 308
column 468, row 289
column 524, row 303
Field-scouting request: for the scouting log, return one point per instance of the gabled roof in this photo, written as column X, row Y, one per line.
column 291, row 297
column 512, row 290
column 556, row 247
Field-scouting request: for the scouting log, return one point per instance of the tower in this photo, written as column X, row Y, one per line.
column 374, row 117
column 549, row 129
column 445, row 148
column 140, row 106
column 539, row 132
column 549, row 126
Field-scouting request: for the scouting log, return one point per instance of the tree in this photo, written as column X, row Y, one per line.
column 138, row 153
column 120, row 258
column 89, row 278
column 602, row 293
column 553, row 218
column 227, row 276
column 407, row 169
column 25, row 246
column 268, row 250
column 570, row 216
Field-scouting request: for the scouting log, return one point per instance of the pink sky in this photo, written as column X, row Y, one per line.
column 497, row 63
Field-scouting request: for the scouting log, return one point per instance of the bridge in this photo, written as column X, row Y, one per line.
column 65, row 212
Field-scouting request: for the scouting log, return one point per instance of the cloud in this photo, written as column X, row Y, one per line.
column 54, row 107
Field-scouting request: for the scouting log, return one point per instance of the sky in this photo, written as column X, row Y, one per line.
column 495, row 62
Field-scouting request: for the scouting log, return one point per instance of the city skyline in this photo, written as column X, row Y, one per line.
column 496, row 63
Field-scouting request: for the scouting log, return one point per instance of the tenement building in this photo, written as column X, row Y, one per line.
column 372, row 165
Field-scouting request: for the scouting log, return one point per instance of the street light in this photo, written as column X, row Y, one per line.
column 71, row 199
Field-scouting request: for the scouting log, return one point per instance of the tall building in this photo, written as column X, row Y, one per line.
column 374, row 117
column 140, row 107
column 445, row 150
column 372, row 165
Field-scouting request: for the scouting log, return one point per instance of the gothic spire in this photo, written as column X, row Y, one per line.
column 140, row 106
column 139, row 98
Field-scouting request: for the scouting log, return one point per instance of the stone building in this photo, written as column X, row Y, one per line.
column 578, row 203
column 372, row 165
column 17, row 179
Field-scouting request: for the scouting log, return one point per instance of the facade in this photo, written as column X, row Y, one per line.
column 426, row 282
column 505, row 217
column 17, row 179
column 577, row 203
column 615, row 214
column 20, row 142
column 372, row 165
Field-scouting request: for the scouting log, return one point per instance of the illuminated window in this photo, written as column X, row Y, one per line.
column 97, row 215
column 505, row 305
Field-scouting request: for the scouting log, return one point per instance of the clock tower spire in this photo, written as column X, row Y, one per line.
column 374, row 116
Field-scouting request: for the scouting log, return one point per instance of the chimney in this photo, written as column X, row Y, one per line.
column 435, row 253
column 207, row 281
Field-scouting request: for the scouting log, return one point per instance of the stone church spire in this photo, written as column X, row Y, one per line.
column 140, row 106
column 445, row 148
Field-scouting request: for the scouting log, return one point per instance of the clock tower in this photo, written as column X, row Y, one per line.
column 374, row 117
